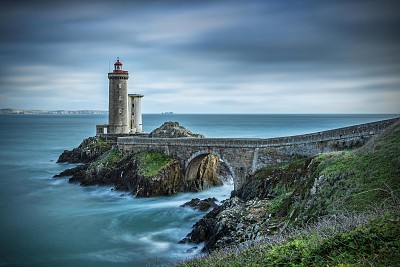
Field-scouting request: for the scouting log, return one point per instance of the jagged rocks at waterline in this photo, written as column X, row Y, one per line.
column 302, row 191
column 89, row 150
column 252, row 212
column 235, row 221
column 144, row 174
column 202, row 205
column 173, row 130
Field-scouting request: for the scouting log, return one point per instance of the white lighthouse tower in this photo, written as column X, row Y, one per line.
column 124, row 111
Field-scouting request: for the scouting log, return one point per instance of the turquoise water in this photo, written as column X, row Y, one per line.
column 49, row 222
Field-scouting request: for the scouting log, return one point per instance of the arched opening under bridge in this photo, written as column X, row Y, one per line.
column 205, row 169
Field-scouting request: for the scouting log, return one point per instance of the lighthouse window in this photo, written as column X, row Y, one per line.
column 119, row 86
column 120, row 98
column 120, row 111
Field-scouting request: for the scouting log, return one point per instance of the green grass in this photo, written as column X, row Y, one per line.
column 100, row 144
column 375, row 243
column 149, row 163
column 367, row 176
column 348, row 181
column 108, row 160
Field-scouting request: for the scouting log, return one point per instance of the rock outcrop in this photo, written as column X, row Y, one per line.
column 260, row 207
column 235, row 221
column 89, row 150
column 173, row 130
column 202, row 205
column 205, row 175
column 302, row 191
column 144, row 174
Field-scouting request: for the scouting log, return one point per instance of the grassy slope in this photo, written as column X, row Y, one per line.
column 374, row 243
column 347, row 181
column 149, row 163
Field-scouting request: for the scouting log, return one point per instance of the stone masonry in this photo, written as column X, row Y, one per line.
column 244, row 156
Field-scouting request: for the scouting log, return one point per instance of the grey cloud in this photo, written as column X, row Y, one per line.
column 193, row 48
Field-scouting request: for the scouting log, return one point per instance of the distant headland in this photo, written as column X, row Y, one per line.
column 6, row 111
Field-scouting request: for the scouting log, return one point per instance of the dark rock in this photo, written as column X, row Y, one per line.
column 202, row 205
column 168, row 181
column 78, row 170
column 191, row 250
column 89, row 150
column 173, row 130
column 234, row 222
column 128, row 174
column 203, row 174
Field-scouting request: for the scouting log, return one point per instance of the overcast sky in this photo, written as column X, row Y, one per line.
column 203, row 56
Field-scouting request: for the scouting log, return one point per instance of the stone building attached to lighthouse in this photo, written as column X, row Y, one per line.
column 124, row 111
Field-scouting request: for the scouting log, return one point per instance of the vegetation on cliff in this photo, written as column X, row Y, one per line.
column 144, row 174
column 303, row 192
column 149, row 163
column 89, row 150
column 374, row 243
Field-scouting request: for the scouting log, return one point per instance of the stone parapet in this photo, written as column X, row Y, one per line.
column 361, row 130
column 243, row 156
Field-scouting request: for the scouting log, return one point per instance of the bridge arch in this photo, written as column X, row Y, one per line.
column 192, row 164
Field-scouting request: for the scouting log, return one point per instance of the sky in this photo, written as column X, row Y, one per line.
column 265, row 56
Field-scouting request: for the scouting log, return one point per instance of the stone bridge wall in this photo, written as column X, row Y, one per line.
column 245, row 156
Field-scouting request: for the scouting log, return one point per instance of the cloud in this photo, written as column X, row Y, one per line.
column 204, row 57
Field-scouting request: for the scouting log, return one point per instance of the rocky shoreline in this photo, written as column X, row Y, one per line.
column 144, row 174
column 301, row 192
column 272, row 200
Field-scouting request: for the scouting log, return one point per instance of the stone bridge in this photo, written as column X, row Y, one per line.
column 244, row 156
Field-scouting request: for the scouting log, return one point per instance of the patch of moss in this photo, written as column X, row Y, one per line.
column 108, row 160
column 149, row 163
column 100, row 144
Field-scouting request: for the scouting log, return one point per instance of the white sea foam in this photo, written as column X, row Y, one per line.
column 117, row 255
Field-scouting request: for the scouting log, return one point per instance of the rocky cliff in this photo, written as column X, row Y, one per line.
column 206, row 175
column 303, row 191
column 144, row 174
column 89, row 150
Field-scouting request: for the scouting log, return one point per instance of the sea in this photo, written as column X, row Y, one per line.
column 46, row 221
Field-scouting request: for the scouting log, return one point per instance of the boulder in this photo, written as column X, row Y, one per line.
column 173, row 130
column 234, row 222
column 89, row 150
column 202, row 205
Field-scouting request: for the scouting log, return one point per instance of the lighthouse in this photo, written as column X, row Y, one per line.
column 124, row 111
column 118, row 100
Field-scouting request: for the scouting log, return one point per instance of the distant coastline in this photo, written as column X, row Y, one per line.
column 6, row 111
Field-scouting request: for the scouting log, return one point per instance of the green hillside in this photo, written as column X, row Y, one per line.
column 343, row 206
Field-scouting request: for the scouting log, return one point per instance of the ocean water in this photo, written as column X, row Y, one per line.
column 49, row 222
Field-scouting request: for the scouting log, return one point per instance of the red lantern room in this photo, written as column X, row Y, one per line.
column 118, row 66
